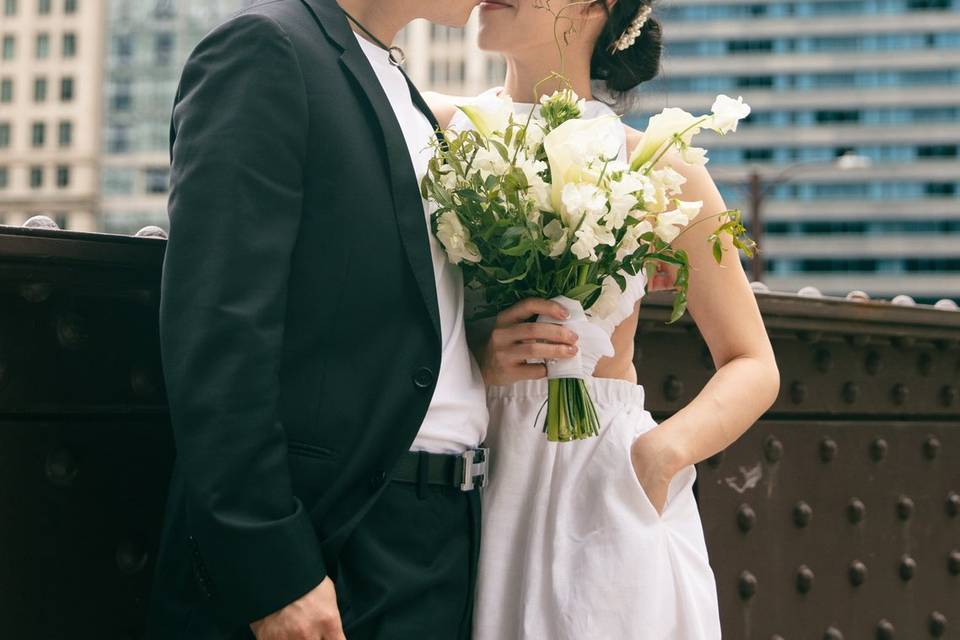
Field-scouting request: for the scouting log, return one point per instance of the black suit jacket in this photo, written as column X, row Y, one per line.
column 299, row 322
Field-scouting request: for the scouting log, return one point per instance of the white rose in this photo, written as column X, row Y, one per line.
column 727, row 112
column 456, row 239
column 572, row 146
column 489, row 113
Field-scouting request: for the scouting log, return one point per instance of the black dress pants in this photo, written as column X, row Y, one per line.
column 408, row 569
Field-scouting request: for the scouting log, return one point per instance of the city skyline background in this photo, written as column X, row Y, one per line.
column 852, row 138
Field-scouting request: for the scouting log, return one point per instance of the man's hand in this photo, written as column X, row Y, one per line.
column 315, row 616
column 513, row 341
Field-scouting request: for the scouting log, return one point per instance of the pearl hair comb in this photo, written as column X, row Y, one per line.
column 629, row 36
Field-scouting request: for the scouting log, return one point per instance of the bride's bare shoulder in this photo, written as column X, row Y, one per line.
column 443, row 106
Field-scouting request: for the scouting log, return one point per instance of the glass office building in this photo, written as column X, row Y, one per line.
column 147, row 43
column 876, row 79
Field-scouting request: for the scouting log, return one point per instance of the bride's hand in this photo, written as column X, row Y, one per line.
column 513, row 341
column 654, row 463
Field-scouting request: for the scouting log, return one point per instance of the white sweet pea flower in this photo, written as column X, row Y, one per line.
column 694, row 155
column 534, row 137
column 557, row 235
column 659, row 134
column 448, row 177
column 456, row 239
column 623, row 197
column 631, row 238
column 727, row 113
column 489, row 113
column 582, row 199
column 586, row 243
column 609, row 299
column 490, row 162
column 670, row 222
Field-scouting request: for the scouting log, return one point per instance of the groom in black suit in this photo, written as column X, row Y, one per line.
column 327, row 465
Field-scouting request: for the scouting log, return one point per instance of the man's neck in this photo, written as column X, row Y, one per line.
column 383, row 19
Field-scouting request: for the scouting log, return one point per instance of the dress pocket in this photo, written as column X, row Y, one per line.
column 680, row 483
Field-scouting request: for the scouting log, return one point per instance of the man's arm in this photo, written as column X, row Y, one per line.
column 235, row 206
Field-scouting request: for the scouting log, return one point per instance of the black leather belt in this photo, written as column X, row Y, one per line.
column 466, row 471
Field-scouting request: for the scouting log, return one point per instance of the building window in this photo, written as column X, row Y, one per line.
column 118, row 139
column 69, row 45
column 9, row 7
column 65, row 137
column 43, row 7
column 163, row 49
column 66, row 89
column 70, row 6
column 6, row 90
column 122, row 99
column 39, row 134
column 40, row 90
column 4, row 177
column 36, row 177
column 43, row 46
column 63, row 176
column 4, row 135
column 123, row 47
column 9, row 47
column 156, row 180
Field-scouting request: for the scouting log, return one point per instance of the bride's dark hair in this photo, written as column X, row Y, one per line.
column 621, row 71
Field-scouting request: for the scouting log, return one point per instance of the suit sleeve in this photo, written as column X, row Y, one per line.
column 237, row 162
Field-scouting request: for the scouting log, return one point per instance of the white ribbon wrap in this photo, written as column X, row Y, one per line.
column 593, row 344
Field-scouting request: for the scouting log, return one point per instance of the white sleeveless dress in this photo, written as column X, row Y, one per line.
column 571, row 546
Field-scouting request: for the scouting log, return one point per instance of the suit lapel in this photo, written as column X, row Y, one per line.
column 407, row 202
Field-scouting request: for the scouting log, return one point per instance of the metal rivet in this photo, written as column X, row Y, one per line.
column 746, row 517
column 802, row 514
column 948, row 395
column 899, row 393
column 772, row 448
column 832, row 633
column 931, row 446
column 61, row 467
column 878, row 449
column 885, row 630
column 715, row 459
column 804, row 580
column 872, row 362
column 904, row 508
column 953, row 504
column 855, row 510
column 823, row 360
column 798, row 392
column 937, row 624
column 746, row 585
column 908, row 567
column 828, row 449
column 924, row 364
column 857, row 573
column 672, row 387
column 71, row 333
column 850, row 392
column 953, row 562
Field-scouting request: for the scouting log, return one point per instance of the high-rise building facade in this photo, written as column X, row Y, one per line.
column 447, row 60
column 51, row 56
column 875, row 79
column 148, row 42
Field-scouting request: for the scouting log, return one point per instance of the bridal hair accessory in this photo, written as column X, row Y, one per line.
column 629, row 36
column 397, row 57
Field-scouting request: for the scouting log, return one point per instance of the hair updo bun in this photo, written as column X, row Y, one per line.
column 622, row 71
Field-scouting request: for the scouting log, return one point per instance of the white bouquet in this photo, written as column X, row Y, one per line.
column 539, row 206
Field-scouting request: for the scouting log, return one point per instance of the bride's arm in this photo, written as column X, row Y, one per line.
column 724, row 307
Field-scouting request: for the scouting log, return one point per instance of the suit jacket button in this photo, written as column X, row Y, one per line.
column 423, row 378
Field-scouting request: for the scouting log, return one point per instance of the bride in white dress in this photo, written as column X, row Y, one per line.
column 601, row 538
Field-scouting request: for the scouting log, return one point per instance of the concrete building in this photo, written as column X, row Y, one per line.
column 447, row 60
column 148, row 42
column 876, row 78
column 51, row 70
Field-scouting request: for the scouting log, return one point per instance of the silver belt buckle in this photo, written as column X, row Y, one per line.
column 474, row 466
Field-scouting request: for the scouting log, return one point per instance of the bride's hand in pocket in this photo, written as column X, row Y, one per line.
column 655, row 463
